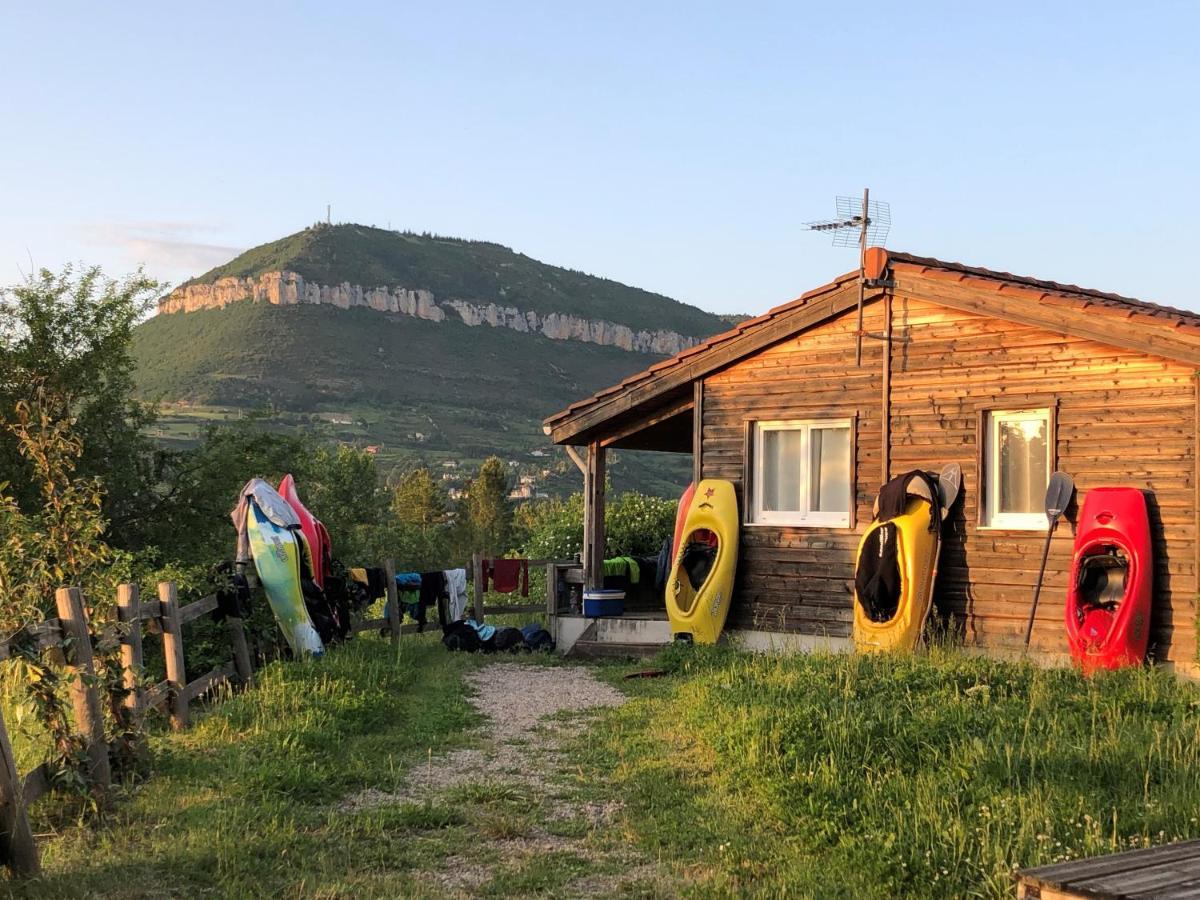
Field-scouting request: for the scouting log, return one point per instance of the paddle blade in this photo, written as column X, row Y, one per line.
column 1058, row 495
column 949, row 486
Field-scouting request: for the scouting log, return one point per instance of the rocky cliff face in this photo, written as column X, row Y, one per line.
column 288, row 288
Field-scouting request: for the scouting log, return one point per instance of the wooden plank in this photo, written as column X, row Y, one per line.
column 394, row 615
column 647, row 420
column 698, row 431
column 516, row 608
column 593, row 522
column 128, row 607
column 209, row 680
column 195, row 610
column 241, row 651
column 1018, row 308
column 157, row 696
column 1150, row 879
column 382, row 624
column 85, row 698
column 477, row 578
column 36, row 784
column 17, row 845
column 172, row 637
column 1066, row 873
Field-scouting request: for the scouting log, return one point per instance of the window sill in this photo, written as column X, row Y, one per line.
column 1014, row 529
column 803, row 526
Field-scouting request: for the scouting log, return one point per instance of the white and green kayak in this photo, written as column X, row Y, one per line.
column 276, row 552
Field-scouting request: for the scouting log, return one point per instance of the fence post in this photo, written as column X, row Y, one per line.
column 477, row 588
column 172, row 635
column 393, row 601
column 17, row 846
column 89, row 718
column 129, row 615
column 241, row 652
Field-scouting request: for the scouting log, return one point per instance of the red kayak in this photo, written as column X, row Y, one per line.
column 1112, row 578
column 684, row 503
column 314, row 531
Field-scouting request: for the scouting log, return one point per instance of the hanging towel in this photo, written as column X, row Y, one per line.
column 507, row 575
column 272, row 505
column 456, row 591
column 623, row 565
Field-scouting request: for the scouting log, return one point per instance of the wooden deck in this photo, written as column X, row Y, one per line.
column 1171, row 871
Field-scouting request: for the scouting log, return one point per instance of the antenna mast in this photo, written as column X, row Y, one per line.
column 868, row 222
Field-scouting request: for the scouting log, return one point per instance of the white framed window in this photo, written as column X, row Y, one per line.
column 802, row 473
column 1017, row 466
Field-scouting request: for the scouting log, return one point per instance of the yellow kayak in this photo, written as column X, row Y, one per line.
column 700, row 585
column 894, row 574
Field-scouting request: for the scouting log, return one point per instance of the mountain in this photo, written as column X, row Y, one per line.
column 435, row 350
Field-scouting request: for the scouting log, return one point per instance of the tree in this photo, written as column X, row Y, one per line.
column 65, row 339
column 489, row 514
column 419, row 500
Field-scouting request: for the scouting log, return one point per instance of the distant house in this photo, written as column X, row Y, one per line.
column 373, row 449
column 1011, row 377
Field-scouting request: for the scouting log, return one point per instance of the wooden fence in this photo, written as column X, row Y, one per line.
column 71, row 643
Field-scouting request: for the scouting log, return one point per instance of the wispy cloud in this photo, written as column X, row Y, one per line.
column 170, row 249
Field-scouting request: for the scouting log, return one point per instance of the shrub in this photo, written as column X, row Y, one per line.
column 635, row 525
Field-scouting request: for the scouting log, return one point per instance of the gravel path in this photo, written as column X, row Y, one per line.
column 529, row 710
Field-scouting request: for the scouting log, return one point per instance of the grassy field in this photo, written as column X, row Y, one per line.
column 858, row 776
column 778, row 776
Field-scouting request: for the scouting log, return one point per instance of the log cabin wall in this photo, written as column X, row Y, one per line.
column 798, row 579
column 1121, row 417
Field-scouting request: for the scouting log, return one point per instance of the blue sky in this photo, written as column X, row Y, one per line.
column 677, row 147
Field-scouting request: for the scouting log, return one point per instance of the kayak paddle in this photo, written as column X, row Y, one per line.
column 1058, row 498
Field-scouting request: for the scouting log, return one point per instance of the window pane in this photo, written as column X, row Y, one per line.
column 1023, row 466
column 781, row 470
column 830, row 469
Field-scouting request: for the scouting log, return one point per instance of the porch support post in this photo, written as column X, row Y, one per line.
column 593, row 517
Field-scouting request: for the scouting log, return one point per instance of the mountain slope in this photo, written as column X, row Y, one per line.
column 409, row 369
column 425, row 392
column 451, row 268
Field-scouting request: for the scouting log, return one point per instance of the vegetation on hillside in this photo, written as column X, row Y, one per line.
column 426, row 390
column 476, row 271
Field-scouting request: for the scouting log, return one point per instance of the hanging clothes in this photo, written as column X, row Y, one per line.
column 893, row 496
column 507, row 575
column 623, row 565
column 408, row 581
column 456, row 594
column 272, row 505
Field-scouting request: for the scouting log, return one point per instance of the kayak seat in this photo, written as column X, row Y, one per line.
column 1101, row 581
column 698, row 558
column 877, row 579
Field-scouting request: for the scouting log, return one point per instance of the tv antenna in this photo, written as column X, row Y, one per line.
column 863, row 222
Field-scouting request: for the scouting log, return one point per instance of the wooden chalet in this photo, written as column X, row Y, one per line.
column 1011, row 377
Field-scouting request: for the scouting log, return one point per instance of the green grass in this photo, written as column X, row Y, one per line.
column 822, row 775
column 886, row 776
column 246, row 802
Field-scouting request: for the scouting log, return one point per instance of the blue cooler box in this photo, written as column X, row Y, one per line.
column 603, row 602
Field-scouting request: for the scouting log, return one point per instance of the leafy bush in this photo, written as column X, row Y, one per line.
column 635, row 525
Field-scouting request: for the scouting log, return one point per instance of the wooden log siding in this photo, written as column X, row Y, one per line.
column 1122, row 417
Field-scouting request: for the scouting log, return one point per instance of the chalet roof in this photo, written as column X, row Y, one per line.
column 1156, row 329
